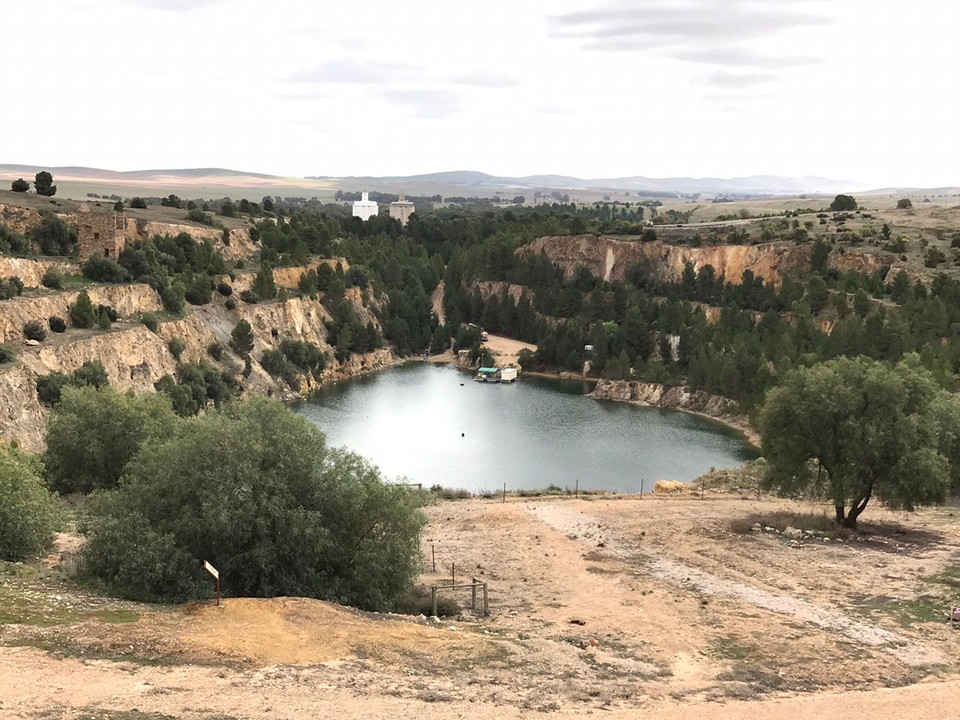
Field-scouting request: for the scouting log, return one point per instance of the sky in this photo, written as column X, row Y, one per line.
column 858, row 90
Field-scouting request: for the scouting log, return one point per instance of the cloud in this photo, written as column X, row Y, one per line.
column 726, row 33
column 425, row 103
column 172, row 5
column 348, row 72
column 735, row 81
column 484, row 80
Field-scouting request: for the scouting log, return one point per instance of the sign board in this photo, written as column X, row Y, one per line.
column 211, row 569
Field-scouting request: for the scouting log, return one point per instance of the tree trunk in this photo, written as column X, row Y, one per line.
column 841, row 517
column 856, row 508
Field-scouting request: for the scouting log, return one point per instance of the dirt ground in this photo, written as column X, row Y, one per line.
column 662, row 606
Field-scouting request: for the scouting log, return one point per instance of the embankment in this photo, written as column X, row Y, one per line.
column 677, row 398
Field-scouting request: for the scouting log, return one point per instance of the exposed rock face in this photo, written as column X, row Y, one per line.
column 31, row 272
column 240, row 245
column 19, row 219
column 674, row 398
column 610, row 257
column 125, row 299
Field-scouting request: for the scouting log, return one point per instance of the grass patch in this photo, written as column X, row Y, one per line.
column 89, row 713
column 439, row 492
column 782, row 519
column 728, row 648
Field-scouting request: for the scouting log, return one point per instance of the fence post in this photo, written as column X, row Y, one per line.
column 486, row 609
column 433, row 599
column 473, row 595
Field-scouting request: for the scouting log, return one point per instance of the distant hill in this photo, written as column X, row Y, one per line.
column 752, row 185
column 211, row 181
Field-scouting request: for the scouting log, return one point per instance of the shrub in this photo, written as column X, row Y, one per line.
column 33, row 330
column 10, row 287
column 215, row 350
column 20, row 185
column 94, row 433
column 52, row 279
column 12, row 242
column 224, row 289
column 199, row 216
column 260, row 467
column 57, row 324
column 7, row 354
column 138, row 203
column 304, row 355
column 274, row 362
column 82, row 313
column 230, row 304
column 102, row 269
column 151, row 321
column 249, row 297
column 53, row 235
column 29, row 513
column 103, row 320
column 176, row 346
column 904, row 204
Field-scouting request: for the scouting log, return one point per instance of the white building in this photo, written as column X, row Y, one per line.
column 365, row 208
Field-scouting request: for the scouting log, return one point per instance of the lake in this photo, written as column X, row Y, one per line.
column 433, row 424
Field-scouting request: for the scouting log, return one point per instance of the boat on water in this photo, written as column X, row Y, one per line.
column 506, row 374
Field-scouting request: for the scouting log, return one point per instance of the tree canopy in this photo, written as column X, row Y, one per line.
column 843, row 202
column 43, row 184
column 255, row 490
column 29, row 513
column 855, row 429
column 20, row 185
column 94, row 432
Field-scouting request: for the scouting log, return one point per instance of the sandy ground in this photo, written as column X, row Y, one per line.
column 506, row 350
column 620, row 606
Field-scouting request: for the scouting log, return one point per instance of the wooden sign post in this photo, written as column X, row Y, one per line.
column 216, row 574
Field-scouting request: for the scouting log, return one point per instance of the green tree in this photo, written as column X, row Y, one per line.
column 82, row 312
column 94, row 432
column 263, row 284
column 53, row 235
column 904, row 204
column 29, row 513
column 241, row 338
column 255, row 490
column 856, row 429
column 138, row 203
column 20, row 185
column 43, row 184
column 843, row 203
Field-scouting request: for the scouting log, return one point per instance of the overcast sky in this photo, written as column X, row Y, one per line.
column 848, row 89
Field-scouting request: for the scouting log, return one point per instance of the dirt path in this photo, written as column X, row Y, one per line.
column 617, row 606
column 581, row 525
column 436, row 300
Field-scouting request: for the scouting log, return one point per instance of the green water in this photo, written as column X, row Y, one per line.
column 434, row 425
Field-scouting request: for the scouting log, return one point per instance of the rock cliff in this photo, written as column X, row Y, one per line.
column 610, row 257
column 675, row 398
column 31, row 272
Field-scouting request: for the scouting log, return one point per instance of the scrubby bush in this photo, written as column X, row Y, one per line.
column 53, row 236
column 215, row 350
column 195, row 386
column 20, row 185
column 50, row 387
column 103, row 269
column 249, row 297
column 255, row 490
column 138, row 203
column 199, row 216
column 57, row 324
column 151, row 321
column 34, row 330
column 52, row 279
column 230, row 304
column 12, row 242
column 275, row 363
column 176, row 346
column 29, row 513
column 93, row 434
column 7, row 354
column 224, row 289
column 304, row 355
column 10, row 287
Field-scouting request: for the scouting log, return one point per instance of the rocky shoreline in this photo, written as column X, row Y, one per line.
column 682, row 398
